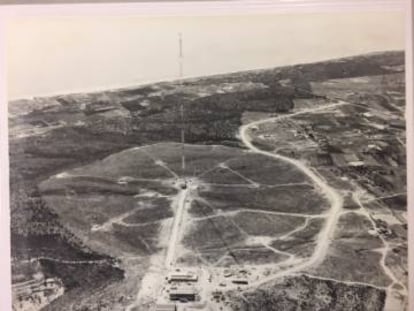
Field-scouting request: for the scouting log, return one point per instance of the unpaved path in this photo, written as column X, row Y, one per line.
column 333, row 196
column 178, row 222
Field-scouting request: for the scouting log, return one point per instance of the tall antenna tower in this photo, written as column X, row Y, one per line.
column 180, row 55
column 180, row 73
column 182, row 139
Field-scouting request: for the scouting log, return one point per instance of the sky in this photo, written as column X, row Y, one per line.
column 59, row 55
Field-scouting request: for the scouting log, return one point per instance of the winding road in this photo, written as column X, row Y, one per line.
column 335, row 199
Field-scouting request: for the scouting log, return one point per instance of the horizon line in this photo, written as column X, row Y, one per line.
column 117, row 88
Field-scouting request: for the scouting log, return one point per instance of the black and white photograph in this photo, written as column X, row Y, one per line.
column 212, row 162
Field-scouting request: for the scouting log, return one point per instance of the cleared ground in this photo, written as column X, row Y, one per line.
column 122, row 201
column 357, row 250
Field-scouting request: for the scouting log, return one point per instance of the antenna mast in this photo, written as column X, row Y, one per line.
column 182, row 138
column 180, row 73
column 180, row 55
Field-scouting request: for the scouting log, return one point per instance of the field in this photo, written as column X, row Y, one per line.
column 273, row 199
column 301, row 242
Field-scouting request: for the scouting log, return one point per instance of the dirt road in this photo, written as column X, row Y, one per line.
column 334, row 198
column 178, row 219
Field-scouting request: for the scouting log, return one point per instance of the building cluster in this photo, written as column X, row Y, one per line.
column 181, row 288
column 36, row 291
